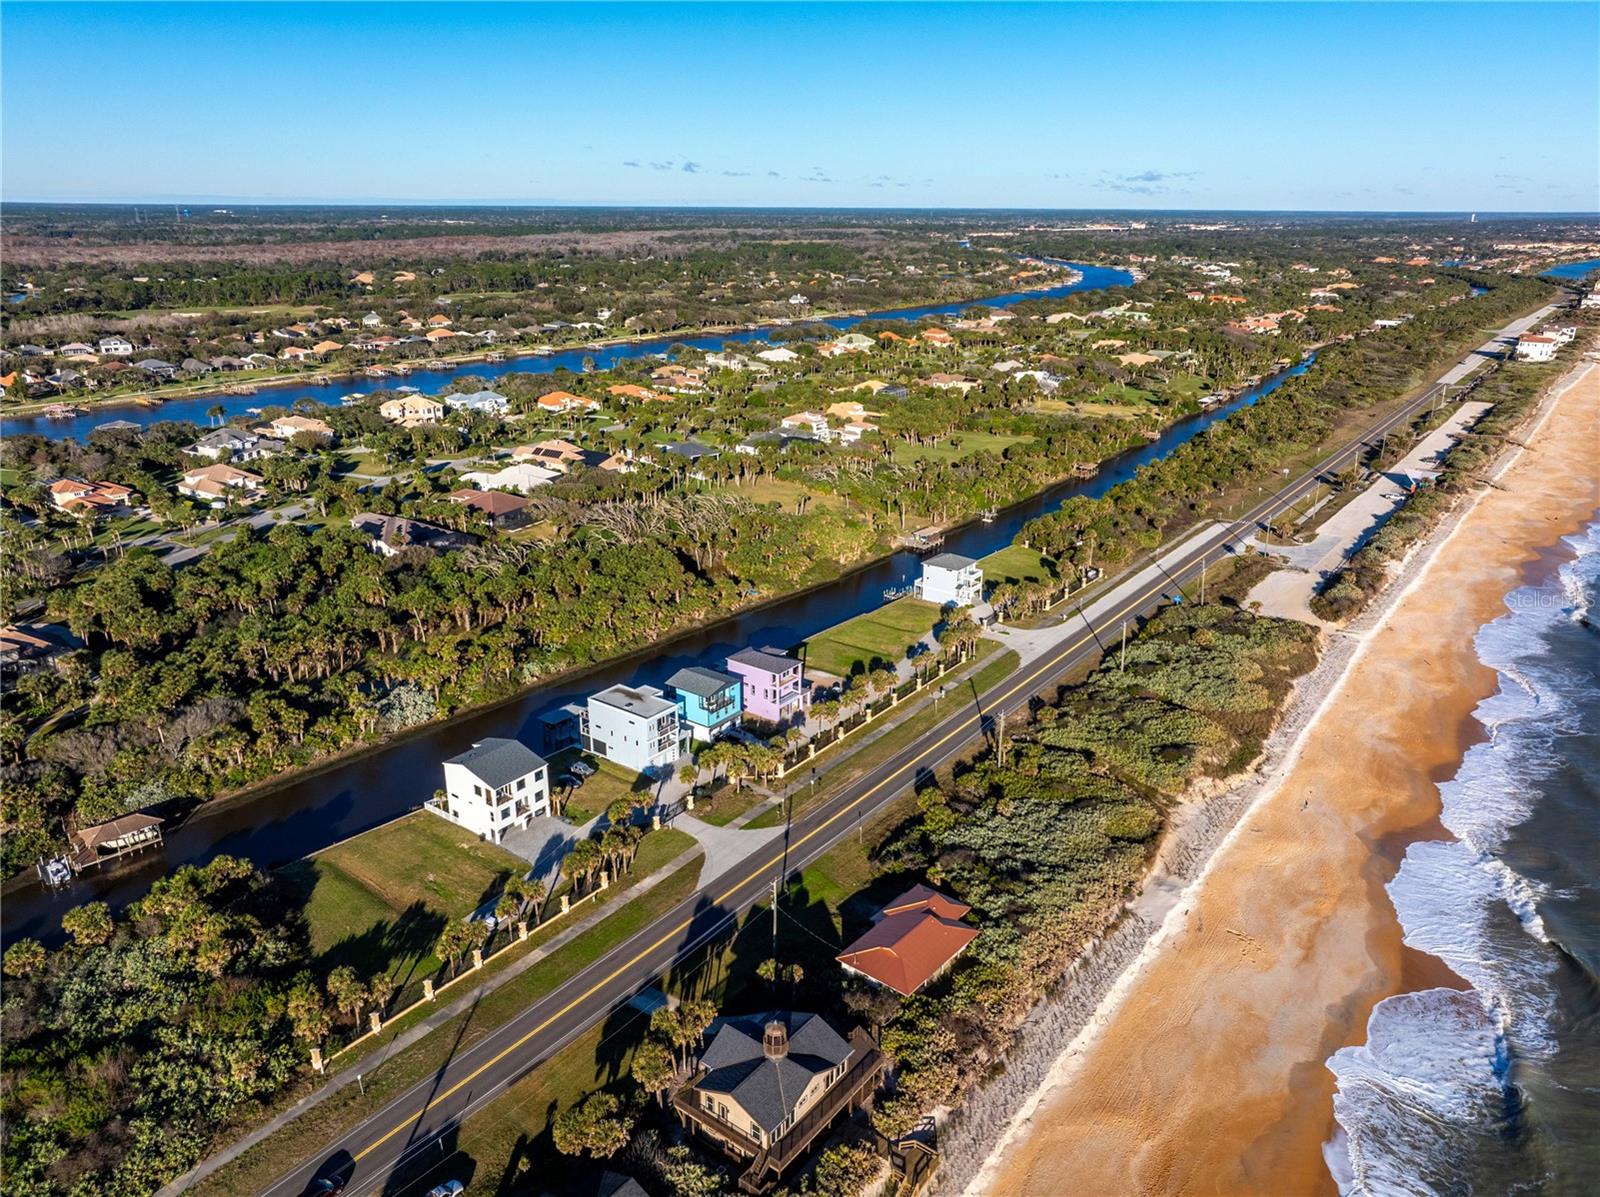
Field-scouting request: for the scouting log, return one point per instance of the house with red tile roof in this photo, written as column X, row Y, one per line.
column 89, row 498
column 628, row 390
column 913, row 940
column 565, row 401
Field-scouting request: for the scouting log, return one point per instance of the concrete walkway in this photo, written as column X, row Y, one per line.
column 724, row 847
column 1287, row 592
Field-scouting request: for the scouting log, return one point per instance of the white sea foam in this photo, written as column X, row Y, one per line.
column 1430, row 1071
column 1431, row 1081
column 1445, row 894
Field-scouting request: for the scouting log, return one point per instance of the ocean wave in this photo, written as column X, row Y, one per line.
column 1445, row 896
column 1425, row 1104
column 1430, row 1077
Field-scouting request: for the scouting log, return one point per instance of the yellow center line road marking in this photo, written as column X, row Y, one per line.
column 1027, row 684
column 1143, row 596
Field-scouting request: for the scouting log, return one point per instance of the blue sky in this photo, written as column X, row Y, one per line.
column 1368, row 106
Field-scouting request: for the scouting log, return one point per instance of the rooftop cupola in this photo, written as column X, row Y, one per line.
column 775, row 1040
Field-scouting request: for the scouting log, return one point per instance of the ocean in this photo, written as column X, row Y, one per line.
column 1495, row 1089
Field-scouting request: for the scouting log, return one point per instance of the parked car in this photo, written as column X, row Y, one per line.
column 325, row 1186
column 582, row 769
column 450, row 1188
column 568, row 780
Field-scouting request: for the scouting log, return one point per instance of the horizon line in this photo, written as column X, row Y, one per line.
column 665, row 205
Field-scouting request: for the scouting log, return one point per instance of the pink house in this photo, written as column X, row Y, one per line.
column 772, row 686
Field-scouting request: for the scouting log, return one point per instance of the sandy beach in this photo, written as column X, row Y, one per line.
column 1207, row 1073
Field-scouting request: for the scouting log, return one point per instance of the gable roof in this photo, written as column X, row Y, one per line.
column 498, row 761
column 916, row 936
column 769, row 1089
column 697, row 679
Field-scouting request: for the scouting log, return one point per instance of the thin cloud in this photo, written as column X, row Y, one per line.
column 691, row 168
column 736, row 174
column 661, row 165
column 631, row 163
column 1146, row 182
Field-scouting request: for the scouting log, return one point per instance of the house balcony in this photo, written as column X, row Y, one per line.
column 768, row 1163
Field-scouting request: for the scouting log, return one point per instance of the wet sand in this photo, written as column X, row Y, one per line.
column 1208, row 1077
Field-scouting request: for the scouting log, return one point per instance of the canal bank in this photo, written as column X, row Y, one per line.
column 603, row 356
column 274, row 824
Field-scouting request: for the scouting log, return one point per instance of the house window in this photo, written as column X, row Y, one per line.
column 522, row 783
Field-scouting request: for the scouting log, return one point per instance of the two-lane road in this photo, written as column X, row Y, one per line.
column 416, row 1120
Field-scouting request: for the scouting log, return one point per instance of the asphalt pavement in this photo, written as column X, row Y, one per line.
column 422, row 1118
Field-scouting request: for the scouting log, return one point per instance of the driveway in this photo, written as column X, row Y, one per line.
column 543, row 842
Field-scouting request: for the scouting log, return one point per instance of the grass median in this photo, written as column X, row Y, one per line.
column 840, row 764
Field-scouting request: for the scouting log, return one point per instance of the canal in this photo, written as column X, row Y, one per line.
column 275, row 826
column 196, row 409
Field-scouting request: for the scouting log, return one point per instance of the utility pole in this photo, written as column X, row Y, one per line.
column 1202, row 581
column 774, row 918
column 1122, row 665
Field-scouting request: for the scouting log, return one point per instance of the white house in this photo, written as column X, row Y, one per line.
column 812, row 423
column 1536, row 349
column 637, row 728
column 408, row 411
column 490, row 402
column 495, row 785
column 780, row 354
column 522, row 478
column 214, row 483
column 950, row 579
column 116, row 347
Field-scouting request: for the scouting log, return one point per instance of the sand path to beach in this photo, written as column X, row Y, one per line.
column 1209, row 1077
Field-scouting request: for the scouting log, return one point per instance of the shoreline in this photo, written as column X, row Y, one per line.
column 35, row 408
column 1279, row 1124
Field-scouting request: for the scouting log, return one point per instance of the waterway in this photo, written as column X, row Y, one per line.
column 196, row 409
column 310, row 812
column 1573, row 271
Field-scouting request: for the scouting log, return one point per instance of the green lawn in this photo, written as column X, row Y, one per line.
column 1188, row 386
column 957, row 446
column 1014, row 563
column 827, row 906
column 609, row 783
column 855, row 645
column 1123, row 395
column 378, row 901
column 787, row 495
column 391, row 1074
column 843, row 761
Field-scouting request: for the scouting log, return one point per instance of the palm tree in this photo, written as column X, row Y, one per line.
column 689, row 775
column 215, row 412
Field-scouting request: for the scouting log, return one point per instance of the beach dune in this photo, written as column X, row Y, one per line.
column 1208, row 1077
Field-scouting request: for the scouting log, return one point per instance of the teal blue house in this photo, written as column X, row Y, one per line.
column 709, row 701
